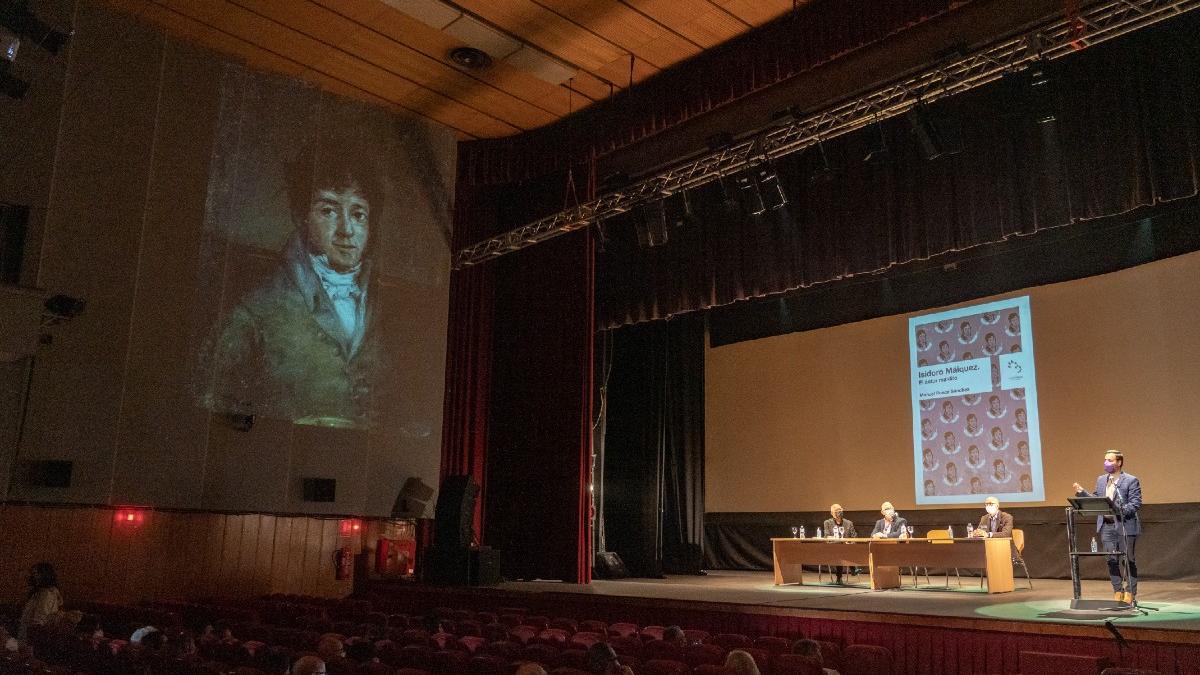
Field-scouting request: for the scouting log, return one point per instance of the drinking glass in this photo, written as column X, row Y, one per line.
column 794, row 531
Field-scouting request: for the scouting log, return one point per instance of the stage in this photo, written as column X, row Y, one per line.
column 1167, row 605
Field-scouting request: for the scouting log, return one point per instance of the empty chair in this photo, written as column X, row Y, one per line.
column 661, row 651
column 553, row 636
column 594, row 626
column 729, row 641
column 503, row 649
column 699, row 654
column 695, row 634
column 630, row 645
column 774, row 645
column 663, row 667
column 539, row 622
column 562, row 622
column 585, row 639
column 1018, row 542
column 649, row 633
column 624, row 629
column 866, row 660
column 522, row 634
column 795, row 664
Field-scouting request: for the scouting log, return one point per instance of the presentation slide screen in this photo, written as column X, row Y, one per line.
column 974, row 404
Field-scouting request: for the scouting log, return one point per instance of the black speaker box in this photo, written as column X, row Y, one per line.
column 455, row 512
column 485, row 567
column 446, row 565
column 51, row 473
column 609, row 566
column 320, row 489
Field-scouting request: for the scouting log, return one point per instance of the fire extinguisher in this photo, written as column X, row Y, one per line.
column 343, row 563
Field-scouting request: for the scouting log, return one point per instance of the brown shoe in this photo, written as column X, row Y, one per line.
column 1129, row 598
column 1119, row 596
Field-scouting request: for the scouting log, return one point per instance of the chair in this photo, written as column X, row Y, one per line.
column 795, row 664
column 623, row 629
column 728, row 641
column 774, row 645
column 1018, row 540
column 936, row 535
column 664, row 667
column 696, row 655
column 866, row 660
column 657, row 650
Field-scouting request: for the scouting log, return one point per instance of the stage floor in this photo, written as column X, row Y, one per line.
column 1167, row 605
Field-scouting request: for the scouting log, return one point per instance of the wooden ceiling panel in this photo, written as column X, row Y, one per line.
column 629, row 28
column 534, row 24
column 369, row 50
column 700, row 21
column 757, row 12
column 435, row 44
column 339, row 32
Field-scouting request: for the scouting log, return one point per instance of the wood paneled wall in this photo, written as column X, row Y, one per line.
column 171, row 555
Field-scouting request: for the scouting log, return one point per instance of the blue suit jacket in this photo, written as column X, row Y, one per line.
column 1128, row 498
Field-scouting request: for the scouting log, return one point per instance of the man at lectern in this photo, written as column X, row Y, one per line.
column 1125, row 491
column 890, row 526
column 994, row 523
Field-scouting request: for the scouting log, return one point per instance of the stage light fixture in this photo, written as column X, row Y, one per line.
column 751, row 195
column 879, row 152
column 652, row 224
column 728, row 199
column 824, row 172
column 770, row 189
column 1042, row 104
column 936, row 135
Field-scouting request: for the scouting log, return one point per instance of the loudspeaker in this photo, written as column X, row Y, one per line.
column 51, row 473
column 320, row 489
column 446, row 565
column 609, row 566
column 455, row 513
column 485, row 567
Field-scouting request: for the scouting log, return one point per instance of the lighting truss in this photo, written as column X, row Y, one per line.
column 1101, row 22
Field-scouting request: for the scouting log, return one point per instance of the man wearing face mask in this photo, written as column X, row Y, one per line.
column 891, row 525
column 846, row 531
column 1118, row 533
column 994, row 523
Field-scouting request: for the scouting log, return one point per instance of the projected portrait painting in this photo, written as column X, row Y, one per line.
column 984, row 391
column 324, row 263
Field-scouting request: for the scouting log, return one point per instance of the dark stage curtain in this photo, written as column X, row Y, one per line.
column 816, row 33
column 654, row 448
column 1126, row 136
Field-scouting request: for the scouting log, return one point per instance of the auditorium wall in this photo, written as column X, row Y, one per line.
column 171, row 555
column 158, row 176
column 799, row 421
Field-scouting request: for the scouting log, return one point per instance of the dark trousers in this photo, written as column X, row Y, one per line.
column 1110, row 536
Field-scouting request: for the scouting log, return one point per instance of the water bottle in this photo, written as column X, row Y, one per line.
column 1094, row 547
column 950, row 531
column 802, row 535
column 818, row 533
column 970, row 529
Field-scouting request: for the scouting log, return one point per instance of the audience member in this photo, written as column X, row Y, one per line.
column 812, row 649
column 44, row 601
column 309, row 665
column 741, row 663
column 675, row 635
column 530, row 668
column 602, row 660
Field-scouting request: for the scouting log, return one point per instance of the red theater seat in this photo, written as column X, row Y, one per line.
column 664, row 667
column 623, row 629
column 728, row 641
column 795, row 664
column 774, row 645
column 696, row 655
column 866, row 660
column 661, row 651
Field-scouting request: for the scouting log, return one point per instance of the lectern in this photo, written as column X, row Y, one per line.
column 1095, row 506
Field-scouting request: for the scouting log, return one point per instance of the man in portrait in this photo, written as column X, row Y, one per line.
column 307, row 343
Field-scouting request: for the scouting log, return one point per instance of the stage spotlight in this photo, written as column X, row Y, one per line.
column 751, row 195
column 770, row 189
column 1042, row 104
column 652, row 225
column 16, row 17
column 824, row 172
column 937, row 136
column 64, row 306
column 878, row 153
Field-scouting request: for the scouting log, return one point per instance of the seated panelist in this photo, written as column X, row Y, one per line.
column 994, row 523
column 891, row 525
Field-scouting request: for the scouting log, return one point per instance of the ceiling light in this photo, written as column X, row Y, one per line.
column 470, row 58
